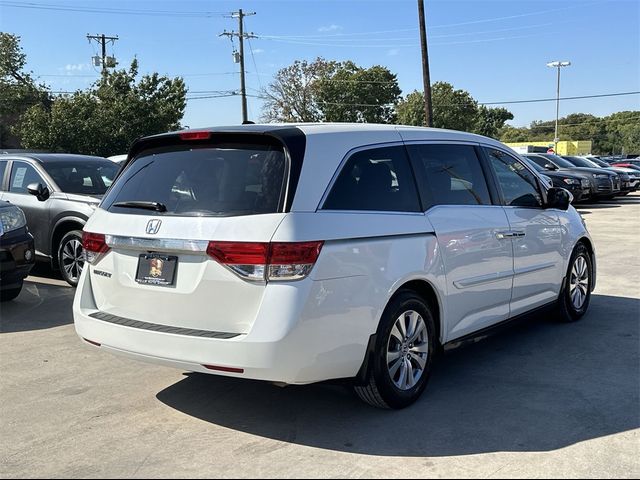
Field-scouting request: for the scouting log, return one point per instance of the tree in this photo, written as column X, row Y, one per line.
column 329, row 91
column 453, row 109
column 105, row 119
column 491, row 120
column 18, row 90
column 355, row 94
column 291, row 97
column 622, row 131
column 410, row 110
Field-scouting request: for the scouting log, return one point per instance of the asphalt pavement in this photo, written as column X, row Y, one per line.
column 539, row 400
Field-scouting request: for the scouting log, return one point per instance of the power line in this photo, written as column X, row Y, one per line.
column 562, row 98
column 411, row 45
column 253, row 57
column 332, row 38
column 588, row 122
column 118, row 11
column 482, row 103
column 511, row 17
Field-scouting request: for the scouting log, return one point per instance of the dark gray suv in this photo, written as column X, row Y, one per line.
column 58, row 193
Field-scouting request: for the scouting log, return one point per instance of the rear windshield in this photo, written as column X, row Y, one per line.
column 84, row 178
column 225, row 180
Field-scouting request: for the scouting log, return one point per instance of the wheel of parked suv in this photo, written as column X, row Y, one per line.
column 576, row 293
column 71, row 257
column 405, row 346
column 9, row 294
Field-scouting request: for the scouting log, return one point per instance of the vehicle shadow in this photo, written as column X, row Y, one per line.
column 596, row 206
column 44, row 270
column 539, row 386
column 39, row 306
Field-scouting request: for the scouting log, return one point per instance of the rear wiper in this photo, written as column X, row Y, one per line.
column 157, row 206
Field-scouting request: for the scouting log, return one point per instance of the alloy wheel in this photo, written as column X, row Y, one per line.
column 72, row 259
column 579, row 282
column 407, row 350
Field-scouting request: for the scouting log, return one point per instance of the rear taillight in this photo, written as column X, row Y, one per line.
column 292, row 261
column 94, row 245
column 267, row 261
column 247, row 259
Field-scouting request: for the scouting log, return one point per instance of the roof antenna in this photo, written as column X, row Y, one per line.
column 248, row 122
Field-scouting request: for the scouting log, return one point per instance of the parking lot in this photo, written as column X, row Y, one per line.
column 539, row 400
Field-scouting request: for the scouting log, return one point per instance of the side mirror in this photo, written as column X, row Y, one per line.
column 39, row 191
column 558, row 198
column 550, row 166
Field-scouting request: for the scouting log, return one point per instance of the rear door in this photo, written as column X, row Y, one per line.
column 535, row 233
column 159, row 217
column 469, row 227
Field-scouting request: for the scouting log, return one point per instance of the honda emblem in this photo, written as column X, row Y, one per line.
column 153, row 226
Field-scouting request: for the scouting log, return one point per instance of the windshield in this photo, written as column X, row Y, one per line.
column 534, row 165
column 599, row 162
column 83, row 177
column 559, row 161
column 226, row 180
column 579, row 162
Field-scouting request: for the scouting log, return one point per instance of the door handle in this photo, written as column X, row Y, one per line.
column 509, row 234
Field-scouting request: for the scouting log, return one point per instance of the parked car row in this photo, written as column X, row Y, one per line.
column 598, row 180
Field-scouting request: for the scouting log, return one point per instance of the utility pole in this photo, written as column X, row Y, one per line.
column 103, row 59
column 426, row 78
column 239, row 56
column 557, row 65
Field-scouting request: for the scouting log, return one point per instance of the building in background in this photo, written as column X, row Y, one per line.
column 567, row 147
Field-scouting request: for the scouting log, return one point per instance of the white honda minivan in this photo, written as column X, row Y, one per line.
column 303, row 253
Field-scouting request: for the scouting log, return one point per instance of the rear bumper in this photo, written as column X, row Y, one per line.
column 289, row 342
column 17, row 257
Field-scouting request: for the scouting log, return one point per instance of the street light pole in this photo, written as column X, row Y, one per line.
column 557, row 65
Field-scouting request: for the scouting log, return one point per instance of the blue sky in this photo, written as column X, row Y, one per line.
column 497, row 50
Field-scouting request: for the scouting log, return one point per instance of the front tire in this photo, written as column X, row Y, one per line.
column 71, row 257
column 403, row 355
column 576, row 292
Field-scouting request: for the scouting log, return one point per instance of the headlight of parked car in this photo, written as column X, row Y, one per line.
column 571, row 181
column 11, row 218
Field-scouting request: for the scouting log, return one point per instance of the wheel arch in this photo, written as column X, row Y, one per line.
column 429, row 293
column 60, row 229
column 426, row 290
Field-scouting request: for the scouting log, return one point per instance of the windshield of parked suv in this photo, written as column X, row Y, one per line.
column 579, row 162
column 559, row 161
column 599, row 162
column 82, row 177
column 227, row 180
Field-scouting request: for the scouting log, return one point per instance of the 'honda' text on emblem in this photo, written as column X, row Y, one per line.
column 153, row 226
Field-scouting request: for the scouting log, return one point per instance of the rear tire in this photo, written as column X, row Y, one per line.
column 401, row 362
column 10, row 293
column 575, row 296
column 71, row 257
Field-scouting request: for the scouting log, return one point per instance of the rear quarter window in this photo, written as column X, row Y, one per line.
column 377, row 179
column 221, row 180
